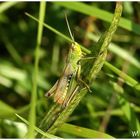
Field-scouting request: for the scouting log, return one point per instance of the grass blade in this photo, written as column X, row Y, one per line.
column 57, row 32
column 6, row 111
column 103, row 44
column 47, row 135
column 32, row 114
column 101, row 14
column 130, row 81
column 82, row 132
column 118, row 51
column 4, row 6
column 127, row 108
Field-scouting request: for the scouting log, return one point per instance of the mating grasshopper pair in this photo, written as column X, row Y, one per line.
column 71, row 71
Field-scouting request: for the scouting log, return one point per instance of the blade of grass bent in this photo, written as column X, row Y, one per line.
column 32, row 113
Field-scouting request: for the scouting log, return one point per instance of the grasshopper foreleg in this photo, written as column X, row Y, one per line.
column 87, row 58
column 79, row 79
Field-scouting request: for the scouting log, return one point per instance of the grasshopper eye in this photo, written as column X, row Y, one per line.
column 73, row 46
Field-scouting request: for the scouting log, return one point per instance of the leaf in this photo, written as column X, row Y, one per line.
column 4, row 6
column 82, row 132
column 37, row 129
column 101, row 14
column 127, row 109
column 6, row 111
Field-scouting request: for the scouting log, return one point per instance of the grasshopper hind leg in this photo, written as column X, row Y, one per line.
column 69, row 99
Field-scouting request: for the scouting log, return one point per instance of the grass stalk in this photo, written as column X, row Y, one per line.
column 32, row 113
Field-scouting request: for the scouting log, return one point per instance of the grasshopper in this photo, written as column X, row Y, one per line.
column 71, row 70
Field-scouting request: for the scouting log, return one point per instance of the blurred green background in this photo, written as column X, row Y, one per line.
column 113, row 107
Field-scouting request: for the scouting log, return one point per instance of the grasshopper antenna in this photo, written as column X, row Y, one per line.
column 69, row 28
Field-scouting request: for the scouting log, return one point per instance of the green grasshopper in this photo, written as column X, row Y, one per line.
column 71, row 70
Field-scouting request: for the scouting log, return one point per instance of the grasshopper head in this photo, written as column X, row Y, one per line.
column 75, row 48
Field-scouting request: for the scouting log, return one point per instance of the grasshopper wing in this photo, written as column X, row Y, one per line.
column 63, row 85
column 52, row 90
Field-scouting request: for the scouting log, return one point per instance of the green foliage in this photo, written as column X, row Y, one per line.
column 82, row 132
column 34, row 45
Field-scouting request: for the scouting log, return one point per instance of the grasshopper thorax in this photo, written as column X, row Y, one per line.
column 74, row 55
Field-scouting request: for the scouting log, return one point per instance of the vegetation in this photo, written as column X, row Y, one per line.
column 34, row 47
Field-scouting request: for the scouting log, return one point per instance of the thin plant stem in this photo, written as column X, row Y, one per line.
column 32, row 113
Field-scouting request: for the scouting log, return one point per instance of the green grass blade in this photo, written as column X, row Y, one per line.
column 6, row 5
column 47, row 135
column 101, row 14
column 127, row 108
column 118, row 51
column 6, row 111
column 57, row 32
column 82, row 132
column 130, row 81
column 5, row 81
column 103, row 44
column 12, row 51
column 130, row 115
column 11, row 72
column 32, row 114
column 124, row 54
column 51, row 28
